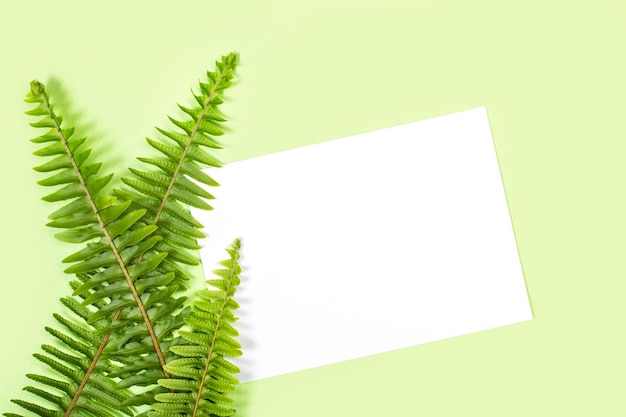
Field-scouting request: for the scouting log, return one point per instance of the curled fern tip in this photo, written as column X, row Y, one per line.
column 36, row 88
column 230, row 59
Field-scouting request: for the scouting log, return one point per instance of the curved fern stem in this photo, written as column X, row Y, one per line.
column 92, row 366
column 38, row 89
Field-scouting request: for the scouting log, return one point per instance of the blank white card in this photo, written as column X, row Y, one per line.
column 367, row 244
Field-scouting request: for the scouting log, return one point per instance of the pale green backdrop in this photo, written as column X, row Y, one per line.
column 551, row 74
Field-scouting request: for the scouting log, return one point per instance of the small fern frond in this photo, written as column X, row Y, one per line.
column 202, row 377
column 120, row 283
column 176, row 183
column 80, row 384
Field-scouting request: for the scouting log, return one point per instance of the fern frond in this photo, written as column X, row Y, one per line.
column 177, row 182
column 202, row 377
column 120, row 284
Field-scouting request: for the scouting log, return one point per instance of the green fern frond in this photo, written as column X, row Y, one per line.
column 177, row 182
column 202, row 377
column 121, row 284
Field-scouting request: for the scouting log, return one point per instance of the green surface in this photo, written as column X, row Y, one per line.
column 551, row 74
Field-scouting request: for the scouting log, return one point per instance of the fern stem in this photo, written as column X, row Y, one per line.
column 92, row 366
column 218, row 322
column 107, row 236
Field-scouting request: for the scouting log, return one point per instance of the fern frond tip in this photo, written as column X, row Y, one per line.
column 36, row 88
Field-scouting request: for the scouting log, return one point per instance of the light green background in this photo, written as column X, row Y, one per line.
column 551, row 74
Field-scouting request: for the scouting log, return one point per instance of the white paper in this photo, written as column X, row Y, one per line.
column 368, row 244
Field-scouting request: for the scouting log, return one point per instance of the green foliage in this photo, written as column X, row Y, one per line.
column 170, row 182
column 80, row 384
column 122, row 323
column 202, row 377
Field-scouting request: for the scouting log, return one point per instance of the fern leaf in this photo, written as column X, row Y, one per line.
column 170, row 184
column 202, row 376
column 117, row 275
